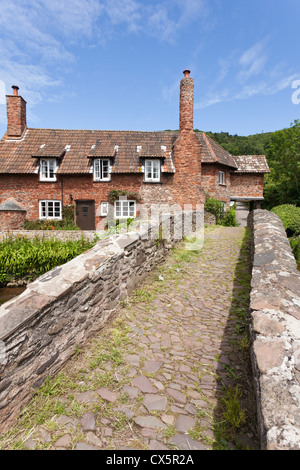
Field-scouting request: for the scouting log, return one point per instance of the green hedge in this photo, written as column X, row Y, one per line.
column 290, row 217
column 295, row 245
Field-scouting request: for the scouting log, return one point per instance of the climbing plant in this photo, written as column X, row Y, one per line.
column 115, row 194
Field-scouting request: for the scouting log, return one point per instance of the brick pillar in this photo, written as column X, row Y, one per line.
column 16, row 114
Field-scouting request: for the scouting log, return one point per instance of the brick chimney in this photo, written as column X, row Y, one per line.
column 186, row 186
column 16, row 114
column 186, row 112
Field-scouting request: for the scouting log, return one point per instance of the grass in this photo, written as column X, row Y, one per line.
column 233, row 410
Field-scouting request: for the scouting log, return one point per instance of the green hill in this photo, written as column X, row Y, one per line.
column 256, row 144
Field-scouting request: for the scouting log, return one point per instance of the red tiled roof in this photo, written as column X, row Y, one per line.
column 211, row 152
column 252, row 164
column 16, row 155
column 126, row 149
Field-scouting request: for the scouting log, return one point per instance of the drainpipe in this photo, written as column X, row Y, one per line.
column 62, row 194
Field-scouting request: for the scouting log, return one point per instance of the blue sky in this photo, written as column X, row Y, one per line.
column 117, row 64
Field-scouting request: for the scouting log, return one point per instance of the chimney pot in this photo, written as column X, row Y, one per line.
column 186, row 73
column 15, row 89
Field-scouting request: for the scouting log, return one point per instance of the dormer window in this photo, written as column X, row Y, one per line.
column 48, row 167
column 152, row 171
column 101, row 169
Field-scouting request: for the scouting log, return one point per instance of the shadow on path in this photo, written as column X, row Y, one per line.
column 235, row 413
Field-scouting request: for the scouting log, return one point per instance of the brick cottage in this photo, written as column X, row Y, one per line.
column 42, row 170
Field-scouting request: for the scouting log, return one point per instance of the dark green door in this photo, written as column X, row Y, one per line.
column 85, row 215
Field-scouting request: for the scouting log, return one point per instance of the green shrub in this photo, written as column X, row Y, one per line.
column 119, row 225
column 24, row 258
column 67, row 222
column 215, row 207
column 295, row 245
column 229, row 218
column 290, row 217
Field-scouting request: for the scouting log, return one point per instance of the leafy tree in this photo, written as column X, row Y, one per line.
column 282, row 185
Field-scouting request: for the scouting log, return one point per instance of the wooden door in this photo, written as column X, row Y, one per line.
column 85, row 215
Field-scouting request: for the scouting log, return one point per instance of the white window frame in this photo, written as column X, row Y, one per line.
column 47, row 206
column 104, row 209
column 45, row 169
column 99, row 172
column 222, row 179
column 151, row 164
column 124, row 209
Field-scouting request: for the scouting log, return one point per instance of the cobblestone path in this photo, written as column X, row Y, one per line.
column 170, row 372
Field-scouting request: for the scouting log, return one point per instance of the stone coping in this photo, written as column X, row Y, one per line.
column 275, row 332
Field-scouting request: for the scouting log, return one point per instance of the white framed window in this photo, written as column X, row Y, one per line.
column 104, row 209
column 221, row 177
column 50, row 209
column 152, row 171
column 101, row 169
column 48, row 167
column 125, row 209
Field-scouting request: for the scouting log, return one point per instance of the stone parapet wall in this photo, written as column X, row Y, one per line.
column 43, row 327
column 62, row 235
column 275, row 333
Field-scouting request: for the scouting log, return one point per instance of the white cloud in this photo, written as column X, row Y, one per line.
column 253, row 61
column 247, row 74
column 38, row 37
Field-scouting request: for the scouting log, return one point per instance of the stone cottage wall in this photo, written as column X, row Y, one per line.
column 41, row 329
column 12, row 220
column 275, row 333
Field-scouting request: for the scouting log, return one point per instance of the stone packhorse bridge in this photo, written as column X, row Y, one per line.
column 154, row 377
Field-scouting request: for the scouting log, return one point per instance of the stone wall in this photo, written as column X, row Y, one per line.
column 275, row 333
column 42, row 328
column 63, row 235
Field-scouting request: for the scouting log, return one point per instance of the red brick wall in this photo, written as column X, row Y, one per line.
column 210, row 182
column 16, row 115
column 181, row 188
column 28, row 190
column 247, row 185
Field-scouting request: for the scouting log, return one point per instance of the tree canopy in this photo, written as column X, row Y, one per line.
column 282, row 185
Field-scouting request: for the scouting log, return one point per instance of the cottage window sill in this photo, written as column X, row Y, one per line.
column 152, row 182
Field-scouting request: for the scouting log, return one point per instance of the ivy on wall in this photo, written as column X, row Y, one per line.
column 115, row 194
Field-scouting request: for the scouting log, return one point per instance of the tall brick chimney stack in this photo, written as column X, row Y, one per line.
column 187, row 187
column 16, row 114
column 186, row 112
